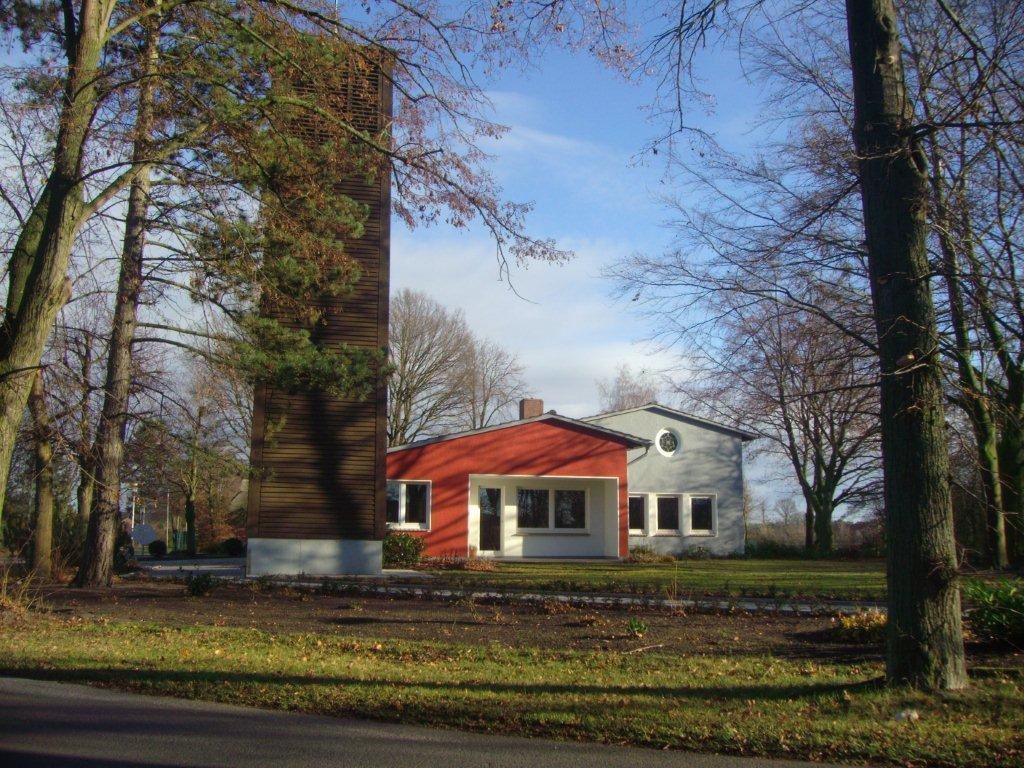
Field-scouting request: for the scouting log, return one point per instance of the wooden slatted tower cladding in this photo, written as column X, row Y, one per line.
column 320, row 473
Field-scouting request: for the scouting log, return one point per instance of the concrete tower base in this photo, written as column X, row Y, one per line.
column 313, row 557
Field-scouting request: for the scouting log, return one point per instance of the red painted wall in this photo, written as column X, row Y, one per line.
column 536, row 448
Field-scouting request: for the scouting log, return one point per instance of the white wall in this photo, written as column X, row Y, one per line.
column 709, row 462
column 598, row 539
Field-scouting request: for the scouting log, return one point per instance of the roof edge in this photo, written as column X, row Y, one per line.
column 630, row 440
column 741, row 433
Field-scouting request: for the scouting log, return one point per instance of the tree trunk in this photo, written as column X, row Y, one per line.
column 924, row 636
column 97, row 567
column 86, row 481
column 987, row 448
column 808, row 527
column 974, row 397
column 86, row 486
column 1011, row 472
column 823, row 529
column 42, row 537
column 37, row 272
column 190, row 524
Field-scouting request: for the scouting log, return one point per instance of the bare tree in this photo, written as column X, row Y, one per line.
column 492, row 384
column 786, row 511
column 443, row 376
column 889, row 168
column 108, row 450
column 191, row 445
column 806, row 388
column 963, row 57
column 428, row 344
column 627, row 390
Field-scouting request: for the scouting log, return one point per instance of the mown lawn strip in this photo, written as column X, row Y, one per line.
column 745, row 704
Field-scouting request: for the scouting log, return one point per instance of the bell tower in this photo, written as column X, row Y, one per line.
column 316, row 501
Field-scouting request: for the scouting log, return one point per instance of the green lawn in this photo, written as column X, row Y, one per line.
column 836, row 579
column 752, row 704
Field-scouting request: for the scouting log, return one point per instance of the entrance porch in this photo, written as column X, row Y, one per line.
column 513, row 516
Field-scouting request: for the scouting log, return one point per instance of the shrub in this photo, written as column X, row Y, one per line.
column 458, row 563
column 157, row 548
column 636, row 627
column 861, row 627
column 233, row 547
column 16, row 593
column 124, row 553
column 698, row 553
column 771, row 550
column 17, row 530
column 997, row 610
column 647, row 555
column 266, row 584
column 402, row 550
column 199, row 584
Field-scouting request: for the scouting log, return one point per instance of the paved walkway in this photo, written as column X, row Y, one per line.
column 56, row 725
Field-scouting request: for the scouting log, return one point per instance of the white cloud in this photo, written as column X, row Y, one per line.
column 536, row 143
column 564, row 326
column 515, row 106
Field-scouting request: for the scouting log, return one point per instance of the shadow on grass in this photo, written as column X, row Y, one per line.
column 44, row 760
column 137, row 677
column 354, row 621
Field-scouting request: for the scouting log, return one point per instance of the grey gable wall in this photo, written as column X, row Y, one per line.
column 709, row 462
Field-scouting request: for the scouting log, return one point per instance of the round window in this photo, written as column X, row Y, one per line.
column 667, row 442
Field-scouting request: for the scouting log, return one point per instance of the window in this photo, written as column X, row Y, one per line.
column 570, row 509
column 702, row 514
column 667, row 442
column 564, row 509
column 532, row 508
column 394, row 492
column 668, row 513
column 408, row 504
column 637, row 513
column 416, row 503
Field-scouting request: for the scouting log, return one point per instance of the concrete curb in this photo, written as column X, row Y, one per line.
column 584, row 600
column 364, row 586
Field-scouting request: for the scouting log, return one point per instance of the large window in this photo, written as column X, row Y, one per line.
column 570, row 509
column 532, row 508
column 637, row 513
column 702, row 514
column 668, row 513
column 408, row 504
column 543, row 508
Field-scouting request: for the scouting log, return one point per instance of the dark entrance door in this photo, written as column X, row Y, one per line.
column 490, row 520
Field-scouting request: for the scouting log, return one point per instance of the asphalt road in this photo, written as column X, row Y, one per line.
column 47, row 724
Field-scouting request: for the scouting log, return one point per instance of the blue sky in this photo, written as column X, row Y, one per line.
column 576, row 131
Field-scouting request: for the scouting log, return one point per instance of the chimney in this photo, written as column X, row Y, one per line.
column 530, row 407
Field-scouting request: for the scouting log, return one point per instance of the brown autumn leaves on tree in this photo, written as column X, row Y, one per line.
column 167, row 91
